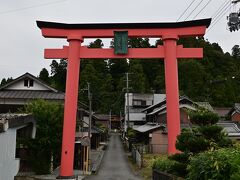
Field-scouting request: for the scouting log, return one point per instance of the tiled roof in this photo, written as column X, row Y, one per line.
column 237, row 107
column 230, row 128
column 10, row 120
column 148, row 127
column 206, row 105
column 26, row 94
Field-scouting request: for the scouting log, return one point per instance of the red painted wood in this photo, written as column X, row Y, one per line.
column 109, row 33
column 172, row 94
column 132, row 53
column 70, row 109
column 170, row 51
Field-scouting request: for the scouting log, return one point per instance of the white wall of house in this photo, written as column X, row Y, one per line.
column 20, row 86
column 137, row 116
column 9, row 166
column 135, row 112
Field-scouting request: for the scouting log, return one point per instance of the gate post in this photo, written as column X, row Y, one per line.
column 172, row 94
column 70, row 107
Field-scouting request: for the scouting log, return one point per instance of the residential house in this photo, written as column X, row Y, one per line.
column 13, row 127
column 234, row 113
column 107, row 120
column 222, row 112
column 24, row 89
column 231, row 128
column 137, row 103
column 155, row 129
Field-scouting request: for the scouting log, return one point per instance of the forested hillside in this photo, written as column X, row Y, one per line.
column 215, row 78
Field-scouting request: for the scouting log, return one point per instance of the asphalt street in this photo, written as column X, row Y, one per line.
column 115, row 165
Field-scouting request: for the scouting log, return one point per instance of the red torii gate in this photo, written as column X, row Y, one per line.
column 170, row 51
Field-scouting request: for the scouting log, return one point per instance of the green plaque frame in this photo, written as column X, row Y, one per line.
column 120, row 42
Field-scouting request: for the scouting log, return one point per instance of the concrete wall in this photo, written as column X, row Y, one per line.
column 9, row 166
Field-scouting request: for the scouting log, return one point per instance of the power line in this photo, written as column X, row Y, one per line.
column 220, row 8
column 219, row 17
column 202, row 8
column 186, row 10
column 194, row 9
column 30, row 7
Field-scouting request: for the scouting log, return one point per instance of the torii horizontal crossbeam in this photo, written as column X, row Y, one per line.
column 97, row 53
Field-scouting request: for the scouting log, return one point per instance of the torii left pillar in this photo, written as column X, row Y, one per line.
column 70, row 106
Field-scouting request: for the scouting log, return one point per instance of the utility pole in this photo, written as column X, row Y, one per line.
column 89, row 124
column 127, row 99
column 110, row 123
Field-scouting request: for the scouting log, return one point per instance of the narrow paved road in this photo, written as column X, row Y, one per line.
column 114, row 165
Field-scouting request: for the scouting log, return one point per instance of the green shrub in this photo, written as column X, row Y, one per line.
column 203, row 117
column 189, row 141
column 215, row 134
column 180, row 157
column 131, row 133
column 222, row 164
column 170, row 166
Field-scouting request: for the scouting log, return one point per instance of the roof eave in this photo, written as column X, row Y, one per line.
column 56, row 25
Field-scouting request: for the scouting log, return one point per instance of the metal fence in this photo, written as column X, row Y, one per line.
column 137, row 156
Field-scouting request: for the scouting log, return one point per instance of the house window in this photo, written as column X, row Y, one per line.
column 31, row 83
column 139, row 103
column 28, row 82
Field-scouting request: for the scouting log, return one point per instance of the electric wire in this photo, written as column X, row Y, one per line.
column 185, row 10
column 202, row 8
column 219, row 17
column 222, row 13
column 193, row 10
column 30, row 7
column 220, row 8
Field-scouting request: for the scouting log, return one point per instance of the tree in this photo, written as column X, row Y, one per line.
column 236, row 51
column 5, row 81
column 58, row 72
column 47, row 143
column 44, row 75
column 138, row 79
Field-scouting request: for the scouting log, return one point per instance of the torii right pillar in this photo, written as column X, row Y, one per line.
column 172, row 51
column 172, row 94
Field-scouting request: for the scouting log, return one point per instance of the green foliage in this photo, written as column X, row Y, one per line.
column 5, row 81
column 203, row 116
column 44, row 76
column 58, row 72
column 131, row 133
column 206, row 136
column 47, row 142
column 222, row 164
column 170, row 166
column 215, row 134
column 191, row 141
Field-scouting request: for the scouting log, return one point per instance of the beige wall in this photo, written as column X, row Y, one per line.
column 159, row 142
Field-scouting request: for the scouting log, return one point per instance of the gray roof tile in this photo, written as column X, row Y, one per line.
column 25, row 94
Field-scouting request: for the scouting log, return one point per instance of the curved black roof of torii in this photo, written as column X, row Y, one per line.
column 152, row 25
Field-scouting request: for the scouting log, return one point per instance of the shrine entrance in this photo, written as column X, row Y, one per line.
column 170, row 52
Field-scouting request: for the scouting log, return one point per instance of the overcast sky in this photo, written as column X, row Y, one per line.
column 21, row 46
